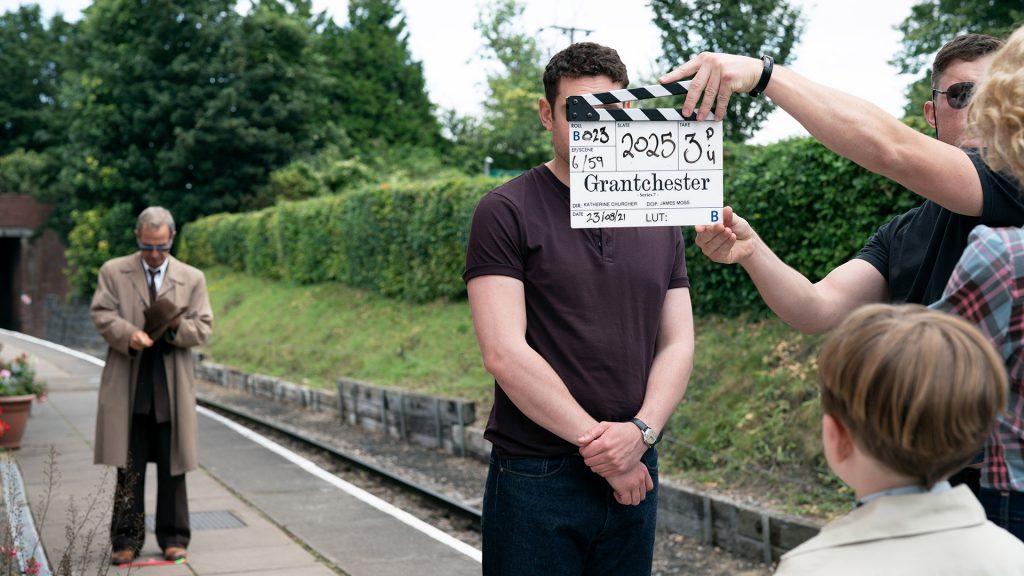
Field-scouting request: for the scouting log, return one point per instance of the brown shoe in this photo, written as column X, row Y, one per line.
column 119, row 557
column 175, row 553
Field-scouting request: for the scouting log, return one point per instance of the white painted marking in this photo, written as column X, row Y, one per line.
column 346, row 487
column 308, row 466
column 47, row 344
column 26, row 538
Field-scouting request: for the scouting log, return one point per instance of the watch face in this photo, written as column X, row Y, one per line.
column 650, row 437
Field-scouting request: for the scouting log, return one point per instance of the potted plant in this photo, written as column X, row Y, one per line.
column 18, row 388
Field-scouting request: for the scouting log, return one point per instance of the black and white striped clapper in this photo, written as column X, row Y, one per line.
column 583, row 107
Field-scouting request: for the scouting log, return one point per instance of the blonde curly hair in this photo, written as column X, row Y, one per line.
column 997, row 108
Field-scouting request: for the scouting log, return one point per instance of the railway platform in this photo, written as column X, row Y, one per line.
column 256, row 507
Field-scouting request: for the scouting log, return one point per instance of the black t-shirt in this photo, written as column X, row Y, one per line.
column 917, row 251
column 593, row 301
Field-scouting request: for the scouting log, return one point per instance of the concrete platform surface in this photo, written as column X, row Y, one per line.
column 269, row 511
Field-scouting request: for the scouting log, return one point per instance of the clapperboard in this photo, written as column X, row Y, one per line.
column 634, row 167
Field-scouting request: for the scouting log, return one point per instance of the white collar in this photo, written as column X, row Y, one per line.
column 903, row 490
column 162, row 270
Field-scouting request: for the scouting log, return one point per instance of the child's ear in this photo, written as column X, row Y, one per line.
column 837, row 439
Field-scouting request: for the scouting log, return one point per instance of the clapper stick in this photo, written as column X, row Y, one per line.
column 581, row 107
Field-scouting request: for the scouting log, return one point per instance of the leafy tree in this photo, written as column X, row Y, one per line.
column 376, row 89
column 747, row 27
column 99, row 234
column 327, row 173
column 188, row 104
column 935, row 22
column 27, row 172
column 510, row 132
column 268, row 109
column 32, row 58
column 463, row 146
column 913, row 113
column 148, row 72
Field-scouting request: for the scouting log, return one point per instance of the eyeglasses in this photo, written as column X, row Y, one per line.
column 957, row 95
column 155, row 247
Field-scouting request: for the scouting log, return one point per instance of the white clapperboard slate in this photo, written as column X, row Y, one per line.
column 633, row 167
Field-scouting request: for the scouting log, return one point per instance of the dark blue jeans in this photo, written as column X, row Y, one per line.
column 1005, row 509
column 554, row 516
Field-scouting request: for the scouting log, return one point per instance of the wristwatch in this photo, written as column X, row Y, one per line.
column 650, row 436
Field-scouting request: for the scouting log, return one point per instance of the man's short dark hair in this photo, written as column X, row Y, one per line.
column 580, row 60
column 967, row 48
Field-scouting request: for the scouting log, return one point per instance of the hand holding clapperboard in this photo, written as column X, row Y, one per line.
column 633, row 167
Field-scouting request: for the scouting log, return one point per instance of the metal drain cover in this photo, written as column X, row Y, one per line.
column 211, row 520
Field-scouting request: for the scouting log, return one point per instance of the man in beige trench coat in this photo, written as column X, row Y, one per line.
column 147, row 402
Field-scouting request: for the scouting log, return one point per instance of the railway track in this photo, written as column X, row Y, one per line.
column 423, row 475
column 463, row 513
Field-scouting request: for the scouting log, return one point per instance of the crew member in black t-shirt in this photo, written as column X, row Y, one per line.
column 911, row 258
column 589, row 336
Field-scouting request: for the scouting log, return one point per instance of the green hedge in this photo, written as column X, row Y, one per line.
column 407, row 240
column 404, row 240
column 814, row 208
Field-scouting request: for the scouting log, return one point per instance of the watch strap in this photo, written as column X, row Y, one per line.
column 766, row 75
column 643, row 430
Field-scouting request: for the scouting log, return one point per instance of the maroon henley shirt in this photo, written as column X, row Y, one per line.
column 593, row 301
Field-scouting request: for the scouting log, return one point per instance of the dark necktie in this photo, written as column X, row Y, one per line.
column 152, row 285
column 151, row 394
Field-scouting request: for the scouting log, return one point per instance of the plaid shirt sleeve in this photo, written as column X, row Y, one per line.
column 987, row 289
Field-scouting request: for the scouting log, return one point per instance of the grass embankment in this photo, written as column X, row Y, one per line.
column 749, row 425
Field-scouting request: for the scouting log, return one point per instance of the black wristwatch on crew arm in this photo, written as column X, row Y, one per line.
column 650, row 436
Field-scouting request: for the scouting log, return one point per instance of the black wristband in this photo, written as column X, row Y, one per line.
column 766, row 75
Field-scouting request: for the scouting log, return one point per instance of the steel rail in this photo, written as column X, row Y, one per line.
column 436, row 498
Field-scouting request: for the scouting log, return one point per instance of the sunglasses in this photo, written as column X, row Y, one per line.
column 155, row 247
column 957, row 95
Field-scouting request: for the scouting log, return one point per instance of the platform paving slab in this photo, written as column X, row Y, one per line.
column 342, row 529
column 276, row 499
column 66, row 422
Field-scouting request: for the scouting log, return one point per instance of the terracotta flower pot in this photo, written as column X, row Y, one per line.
column 14, row 411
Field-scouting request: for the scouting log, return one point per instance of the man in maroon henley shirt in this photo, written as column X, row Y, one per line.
column 589, row 336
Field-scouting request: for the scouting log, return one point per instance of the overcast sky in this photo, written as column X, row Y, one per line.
column 846, row 44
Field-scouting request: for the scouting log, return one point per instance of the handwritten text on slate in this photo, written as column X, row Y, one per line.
column 628, row 174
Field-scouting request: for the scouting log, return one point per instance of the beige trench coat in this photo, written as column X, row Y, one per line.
column 117, row 311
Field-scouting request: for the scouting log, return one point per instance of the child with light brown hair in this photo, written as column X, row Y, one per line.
column 908, row 395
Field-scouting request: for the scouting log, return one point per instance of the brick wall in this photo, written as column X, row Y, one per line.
column 40, row 278
column 35, row 283
column 22, row 211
